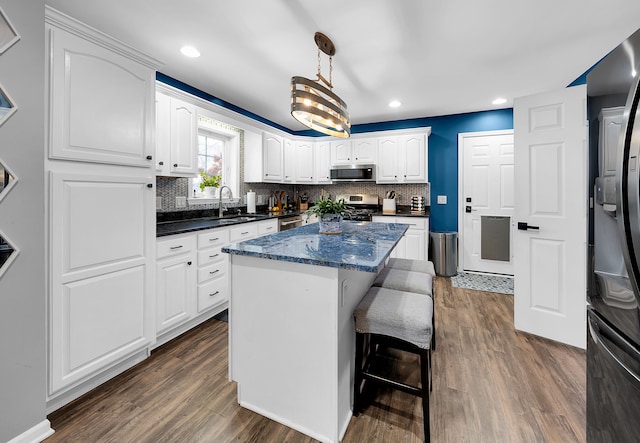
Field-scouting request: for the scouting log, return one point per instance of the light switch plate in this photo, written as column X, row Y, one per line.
column 181, row 202
column 442, row 199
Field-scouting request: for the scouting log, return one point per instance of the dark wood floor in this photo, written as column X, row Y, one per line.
column 491, row 384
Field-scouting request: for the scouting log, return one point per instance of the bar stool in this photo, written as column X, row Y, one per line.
column 400, row 320
column 409, row 281
column 407, row 264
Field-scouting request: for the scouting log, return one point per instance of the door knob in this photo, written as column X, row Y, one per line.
column 524, row 226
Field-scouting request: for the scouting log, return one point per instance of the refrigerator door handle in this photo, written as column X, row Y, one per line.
column 599, row 340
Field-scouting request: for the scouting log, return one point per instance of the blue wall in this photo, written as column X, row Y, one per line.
column 443, row 154
column 443, row 146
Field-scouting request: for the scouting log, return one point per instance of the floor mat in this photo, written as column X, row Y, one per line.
column 481, row 282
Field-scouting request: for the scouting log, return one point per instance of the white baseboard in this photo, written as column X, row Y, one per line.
column 35, row 434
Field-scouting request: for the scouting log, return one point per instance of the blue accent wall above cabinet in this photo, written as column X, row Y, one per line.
column 443, row 154
column 443, row 145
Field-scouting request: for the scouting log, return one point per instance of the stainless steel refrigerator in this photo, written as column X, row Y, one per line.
column 613, row 316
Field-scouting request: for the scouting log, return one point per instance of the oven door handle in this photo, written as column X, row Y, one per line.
column 287, row 223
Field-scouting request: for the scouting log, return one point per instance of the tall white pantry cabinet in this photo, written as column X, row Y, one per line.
column 100, row 205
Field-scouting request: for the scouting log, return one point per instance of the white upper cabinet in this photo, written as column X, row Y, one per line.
column 413, row 158
column 322, row 167
column 357, row 151
column 176, row 137
column 304, row 161
column 184, row 138
column 341, row 152
column 289, row 159
column 387, row 167
column 273, row 153
column 100, row 104
column 610, row 125
column 365, row 151
column 402, row 159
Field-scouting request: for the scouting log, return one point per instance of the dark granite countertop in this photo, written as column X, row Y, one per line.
column 363, row 246
column 177, row 224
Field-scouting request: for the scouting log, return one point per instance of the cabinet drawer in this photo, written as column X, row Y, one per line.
column 268, row 227
column 212, row 294
column 413, row 222
column 174, row 245
column 243, row 232
column 213, row 237
column 211, row 256
column 216, row 270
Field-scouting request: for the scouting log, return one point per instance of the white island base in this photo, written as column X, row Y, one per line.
column 292, row 342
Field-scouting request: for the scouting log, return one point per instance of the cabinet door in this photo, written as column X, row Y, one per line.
column 365, row 151
column 610, row 125
column 322, row 163
column 184, row 138
column 341, row 152
column 304, row 162
column 272, row 157
column 289, row 161
column 101, row 307
column 163, row 134
column 413, row 158
column 387, row 167
column 175, row 290
column 102, row 104
column 415, row 244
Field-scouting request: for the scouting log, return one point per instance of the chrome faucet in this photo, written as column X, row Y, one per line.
column 220, row 209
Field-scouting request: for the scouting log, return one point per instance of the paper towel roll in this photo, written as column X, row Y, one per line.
column 251, row 202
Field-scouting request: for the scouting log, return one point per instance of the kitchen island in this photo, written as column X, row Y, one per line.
column 291, row 332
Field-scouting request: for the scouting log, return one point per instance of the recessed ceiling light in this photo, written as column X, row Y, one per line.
column 190, row 51
column 394, row 104
column 499, row 101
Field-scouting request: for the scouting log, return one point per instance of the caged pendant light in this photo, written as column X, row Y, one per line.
column 315, row 105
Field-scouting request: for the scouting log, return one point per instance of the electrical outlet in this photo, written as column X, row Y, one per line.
column 442, row 199
column 158, row 202
column 261, row 199
column 181, row 202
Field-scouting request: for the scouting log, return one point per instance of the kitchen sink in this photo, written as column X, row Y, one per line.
column 241, row 218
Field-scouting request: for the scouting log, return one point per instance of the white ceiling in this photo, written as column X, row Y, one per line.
column 437, row 57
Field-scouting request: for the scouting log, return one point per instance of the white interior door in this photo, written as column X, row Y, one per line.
column 486, row 195
column 551, row 200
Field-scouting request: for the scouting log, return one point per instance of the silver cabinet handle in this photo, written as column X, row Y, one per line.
column 214, row 293
column 244, row 233
column 213, row 272
column 214, row 239
column 175, row 247
column 214, row 255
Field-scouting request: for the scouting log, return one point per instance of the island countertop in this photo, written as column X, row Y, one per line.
column 362, row 246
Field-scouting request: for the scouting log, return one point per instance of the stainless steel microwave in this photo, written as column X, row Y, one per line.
column 353, row 173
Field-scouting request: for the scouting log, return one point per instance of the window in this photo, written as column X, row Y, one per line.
column 218, row 153
column 211, row 154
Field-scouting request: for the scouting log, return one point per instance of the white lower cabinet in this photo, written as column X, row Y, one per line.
column 192, row 275
column 415, row 242
column 175, row 281
column 213, row 269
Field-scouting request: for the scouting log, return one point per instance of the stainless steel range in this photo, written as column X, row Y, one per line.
column 363, row 206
